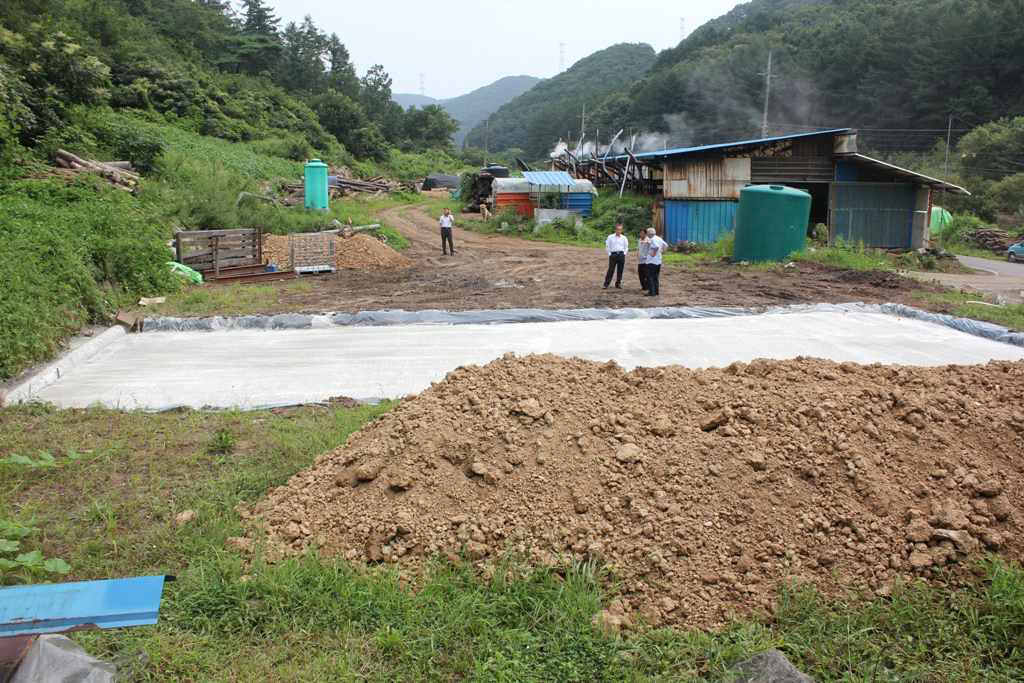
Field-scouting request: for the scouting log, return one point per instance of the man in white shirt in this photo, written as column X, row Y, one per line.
column 642, row 247
column 447, row 221
column 655, row 249
column 616, row 245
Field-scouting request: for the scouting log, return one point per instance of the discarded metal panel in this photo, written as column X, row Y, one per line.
column 879, row 215
column 702, row 222
column 60, row 607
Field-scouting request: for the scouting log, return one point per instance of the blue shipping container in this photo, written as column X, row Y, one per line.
column 703, row 222
column 580, row 202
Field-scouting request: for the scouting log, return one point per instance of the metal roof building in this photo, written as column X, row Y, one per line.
column 861, row 199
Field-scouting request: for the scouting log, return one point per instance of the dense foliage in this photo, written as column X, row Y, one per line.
column 536, row 119
column 239, row 76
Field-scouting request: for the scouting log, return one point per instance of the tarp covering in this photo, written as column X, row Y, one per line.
column 440, row 180
column 354, row 355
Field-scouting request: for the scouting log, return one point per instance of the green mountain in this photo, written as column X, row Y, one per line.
column 536, row 119
column 903, row 66
column 472, row 108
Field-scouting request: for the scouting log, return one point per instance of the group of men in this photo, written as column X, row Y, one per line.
column 649, row 250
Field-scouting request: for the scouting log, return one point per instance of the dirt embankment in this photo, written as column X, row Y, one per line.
column 702, row 489
column 356, row 252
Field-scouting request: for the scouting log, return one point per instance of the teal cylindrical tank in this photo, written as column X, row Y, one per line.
column 771, row 222
column 316, row 185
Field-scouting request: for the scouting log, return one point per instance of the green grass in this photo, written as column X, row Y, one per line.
column 110, row 512
column 237, row 299
column 967, row 250
column 959, row 303
column 849, row 258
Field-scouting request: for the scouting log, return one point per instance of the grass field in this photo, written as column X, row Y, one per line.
column 107, row 505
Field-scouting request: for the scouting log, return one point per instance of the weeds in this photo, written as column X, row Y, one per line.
column 222, row 443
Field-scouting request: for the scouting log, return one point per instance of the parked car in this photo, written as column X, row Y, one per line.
column 1015, row 252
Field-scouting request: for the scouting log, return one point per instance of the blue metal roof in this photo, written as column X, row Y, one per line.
column 57, row 607
column 549, row 178
column 679, row 151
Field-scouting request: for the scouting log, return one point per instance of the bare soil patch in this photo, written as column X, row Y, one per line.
column 703, row 490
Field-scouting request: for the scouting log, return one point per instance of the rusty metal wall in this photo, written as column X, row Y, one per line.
column 720, row 178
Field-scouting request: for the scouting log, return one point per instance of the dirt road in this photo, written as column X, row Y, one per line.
column 493, row 271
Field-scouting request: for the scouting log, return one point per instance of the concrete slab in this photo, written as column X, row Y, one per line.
column 251, row 369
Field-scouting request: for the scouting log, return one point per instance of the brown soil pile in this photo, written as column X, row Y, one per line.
column 358, row 252
column 703, row 489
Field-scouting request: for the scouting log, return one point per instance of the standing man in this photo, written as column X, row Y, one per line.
column 447, row 222
column 616, row 245
column 642, row 247
column 656, row 248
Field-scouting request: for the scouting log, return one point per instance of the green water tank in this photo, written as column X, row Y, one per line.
column 316, row 185
column 771, row 222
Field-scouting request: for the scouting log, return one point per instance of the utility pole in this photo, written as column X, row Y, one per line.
column 767, row 95
column 949, row 139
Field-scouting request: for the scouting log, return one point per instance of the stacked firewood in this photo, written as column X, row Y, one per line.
column 294, row 193
column 992, row 239
column 120, row 174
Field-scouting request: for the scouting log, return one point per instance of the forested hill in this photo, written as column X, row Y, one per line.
column 473, row 107
column 872, row 64
column 535, row 119
column 239, row 73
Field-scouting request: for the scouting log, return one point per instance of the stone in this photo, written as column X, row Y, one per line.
column 184, row 517
column 531, row 408
column 963, row 541
column 713, row 423
column 952, row 517
column 757, row 461
column 919, row 531
column 770, row 667
column 662, row 426
column 369, row 470
column 1001, row 507
column 920, row 560
column 400, row 481
column 628, row 453
column 990, row 488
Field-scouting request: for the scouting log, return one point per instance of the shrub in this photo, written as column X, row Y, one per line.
column 69, row 255
column 633, row 210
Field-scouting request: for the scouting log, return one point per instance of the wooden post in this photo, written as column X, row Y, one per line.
column 216, row 257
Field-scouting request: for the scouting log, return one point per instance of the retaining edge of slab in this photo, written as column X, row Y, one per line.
column 25, row 390
column 384, row 318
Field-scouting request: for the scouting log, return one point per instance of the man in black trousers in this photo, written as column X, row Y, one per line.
column 616, row 245
column 447, row 221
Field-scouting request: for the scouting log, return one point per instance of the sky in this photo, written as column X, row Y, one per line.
column 461, row 45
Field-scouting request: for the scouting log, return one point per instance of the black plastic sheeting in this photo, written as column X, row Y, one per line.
column 294, row 321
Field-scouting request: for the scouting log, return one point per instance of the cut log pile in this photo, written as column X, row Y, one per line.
column 120, row 174
column 993, row 239
column 295, row 193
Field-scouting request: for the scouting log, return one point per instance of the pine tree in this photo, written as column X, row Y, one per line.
column 257, row 18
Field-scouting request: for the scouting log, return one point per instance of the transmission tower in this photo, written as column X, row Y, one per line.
column 423, row 85
column 682, row 29
column 561, row 57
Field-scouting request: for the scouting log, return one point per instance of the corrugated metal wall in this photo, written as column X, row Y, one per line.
column 580, row 202
column 703, row 222
column 873, row 214
column 706, row 178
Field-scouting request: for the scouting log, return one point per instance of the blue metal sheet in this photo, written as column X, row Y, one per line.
column 57, row 607
column 580, row 202
column 873, row 214
column 549, row 178
column 847, row 172
column 703, row 222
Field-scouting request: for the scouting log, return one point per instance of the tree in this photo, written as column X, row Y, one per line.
column 301, row 66
column 258, row 19
column 994, row 150
column 429, row 127
column 342, row 76
column 376, row 91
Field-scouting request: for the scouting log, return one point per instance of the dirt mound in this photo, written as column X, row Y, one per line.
column 702, row 489
column 876, row 278
column 357, row 252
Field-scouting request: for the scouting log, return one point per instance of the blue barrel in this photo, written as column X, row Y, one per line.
column 579, row 202
column 317, row 197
